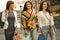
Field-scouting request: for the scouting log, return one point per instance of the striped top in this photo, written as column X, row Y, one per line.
column 26, row 17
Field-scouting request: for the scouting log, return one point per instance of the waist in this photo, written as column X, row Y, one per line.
column 45, row 24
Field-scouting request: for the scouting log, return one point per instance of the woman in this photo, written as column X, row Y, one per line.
column 45, row 19
column 28, row 15
column 9, row 17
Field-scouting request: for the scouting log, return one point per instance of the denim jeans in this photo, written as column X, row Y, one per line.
column 46, row 30
column 34, row 34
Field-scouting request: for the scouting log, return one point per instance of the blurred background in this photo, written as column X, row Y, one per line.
column 19, row 4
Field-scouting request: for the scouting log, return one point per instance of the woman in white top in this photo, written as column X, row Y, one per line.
column 9, row 17
column 45, row 20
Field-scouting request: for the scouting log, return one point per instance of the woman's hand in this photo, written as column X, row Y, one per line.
column 42, row 32
column 25, row 31
column 51, row 31
column 15, row 32
column 31, row 25
column 6, row 15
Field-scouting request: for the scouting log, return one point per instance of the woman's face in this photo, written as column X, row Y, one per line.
column 44, row 6
column 11, row 6
column 28, row 5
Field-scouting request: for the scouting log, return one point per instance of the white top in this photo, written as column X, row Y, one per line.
column 4, row 19
column 44, row 19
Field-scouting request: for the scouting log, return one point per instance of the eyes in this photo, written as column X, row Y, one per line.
column 44, row 4
column 28, row 4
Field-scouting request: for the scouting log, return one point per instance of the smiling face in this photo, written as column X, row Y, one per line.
column 44, row 6
column 28, row 5
column 11, row 6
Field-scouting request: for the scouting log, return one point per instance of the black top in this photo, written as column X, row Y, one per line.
column 11, row 21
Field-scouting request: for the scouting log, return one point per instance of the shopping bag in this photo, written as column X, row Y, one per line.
column 41, row 37
column 26, row 37
column 16, row 37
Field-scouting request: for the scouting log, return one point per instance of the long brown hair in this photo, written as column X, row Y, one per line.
column 25, row 8
column 48, row 6
column 8, row 4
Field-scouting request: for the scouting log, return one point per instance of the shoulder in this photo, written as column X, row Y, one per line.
column 14, row 11
column 40, row 13
column 49, row 14
column 4, row 11
column 24, row 12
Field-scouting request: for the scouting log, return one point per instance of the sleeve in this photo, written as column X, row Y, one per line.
column 15, row 19
column 39, row 20
column 3, row 17
column 52, row 20
column 23, row 20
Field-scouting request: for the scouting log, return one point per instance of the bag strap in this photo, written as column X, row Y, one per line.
column 48, row 19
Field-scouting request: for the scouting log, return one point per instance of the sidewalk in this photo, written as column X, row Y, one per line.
column 2, row 37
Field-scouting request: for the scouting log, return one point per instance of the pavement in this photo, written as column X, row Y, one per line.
column 2, row 37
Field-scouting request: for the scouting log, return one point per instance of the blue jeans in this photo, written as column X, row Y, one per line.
column 46, row 30
column 34, row 34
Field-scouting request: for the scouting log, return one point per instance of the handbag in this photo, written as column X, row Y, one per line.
column 41, row 37
column 16, row 37
column 26, row 36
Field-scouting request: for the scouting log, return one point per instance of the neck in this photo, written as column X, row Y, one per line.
column 10, row 10
column 44, row 11
column 29, row 9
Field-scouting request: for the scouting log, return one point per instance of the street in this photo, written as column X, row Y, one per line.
column 2, row 37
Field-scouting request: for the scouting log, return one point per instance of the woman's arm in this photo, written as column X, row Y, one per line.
column 52, row 20
column 51, row 25
column 23, row 21
column 4, row 16
column 15, row 19
column 39, row 22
